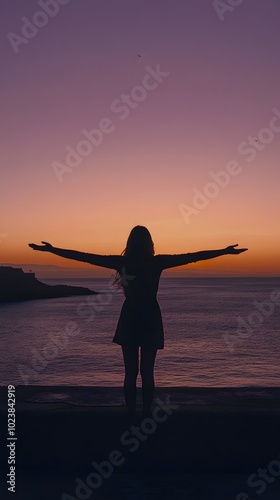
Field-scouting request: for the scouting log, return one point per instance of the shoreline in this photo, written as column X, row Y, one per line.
column 220, row 442
column 113, row 396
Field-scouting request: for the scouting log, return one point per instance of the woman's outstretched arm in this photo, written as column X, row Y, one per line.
column 109, row 261
column 167, row 261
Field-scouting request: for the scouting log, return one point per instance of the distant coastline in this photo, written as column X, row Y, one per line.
column 17, row 285
column 47, row 271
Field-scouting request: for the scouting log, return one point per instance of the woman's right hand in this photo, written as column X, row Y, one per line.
column 46, row 247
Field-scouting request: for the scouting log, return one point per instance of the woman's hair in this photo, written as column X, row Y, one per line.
column 139, row 244
column 139, row 247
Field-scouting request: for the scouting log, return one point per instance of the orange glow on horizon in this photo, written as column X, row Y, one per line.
column 203, row 110
column 261, row 258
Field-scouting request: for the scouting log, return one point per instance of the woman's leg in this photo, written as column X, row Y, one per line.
column 131, row 365
column 148, row 356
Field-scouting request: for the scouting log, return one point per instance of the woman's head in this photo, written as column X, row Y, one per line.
column 139, row 247
column 139, row 243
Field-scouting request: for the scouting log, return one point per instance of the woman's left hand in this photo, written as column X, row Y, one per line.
column 235, row 251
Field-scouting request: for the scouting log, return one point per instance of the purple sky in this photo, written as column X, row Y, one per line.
column 223, row 84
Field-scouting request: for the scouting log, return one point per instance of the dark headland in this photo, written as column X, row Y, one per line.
column 16, row 285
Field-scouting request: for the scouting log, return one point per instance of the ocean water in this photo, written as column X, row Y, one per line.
column 221, row 332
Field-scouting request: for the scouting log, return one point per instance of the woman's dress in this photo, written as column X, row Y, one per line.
column 140, row 322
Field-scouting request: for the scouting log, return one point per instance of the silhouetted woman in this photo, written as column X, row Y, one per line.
column 140, row 324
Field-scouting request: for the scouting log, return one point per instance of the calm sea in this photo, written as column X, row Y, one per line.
column 221, row 332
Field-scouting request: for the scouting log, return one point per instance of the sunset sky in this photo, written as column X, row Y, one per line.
column 220, row 91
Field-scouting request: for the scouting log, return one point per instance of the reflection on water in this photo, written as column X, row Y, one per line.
column 196, row 314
